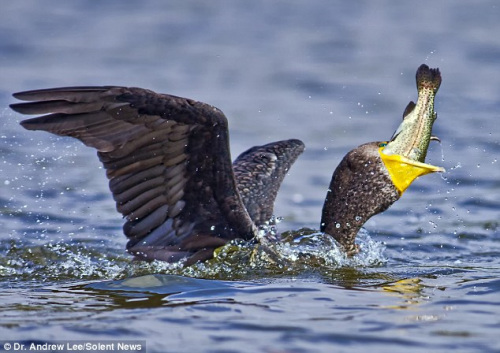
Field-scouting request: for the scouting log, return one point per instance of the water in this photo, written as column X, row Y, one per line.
column 334, row 74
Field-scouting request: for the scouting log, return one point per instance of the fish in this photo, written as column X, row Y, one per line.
column 412, row 137
column 404, row 154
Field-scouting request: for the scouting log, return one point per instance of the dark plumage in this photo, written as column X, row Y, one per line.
column 259, row 172
column 169, row 168
column 360, row 188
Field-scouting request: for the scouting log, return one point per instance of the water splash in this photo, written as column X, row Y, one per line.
column 56, row 262
column 298, row 252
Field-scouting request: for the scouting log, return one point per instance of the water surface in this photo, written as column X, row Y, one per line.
column 334, row 74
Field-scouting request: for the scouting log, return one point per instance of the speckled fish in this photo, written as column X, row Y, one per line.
column 404, row 155
column 412, row 137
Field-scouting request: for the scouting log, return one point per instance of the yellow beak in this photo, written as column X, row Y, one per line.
column 403, row 171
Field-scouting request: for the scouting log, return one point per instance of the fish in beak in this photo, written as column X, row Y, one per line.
column 404, row 155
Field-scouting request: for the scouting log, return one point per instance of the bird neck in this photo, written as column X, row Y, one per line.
column 360, row 188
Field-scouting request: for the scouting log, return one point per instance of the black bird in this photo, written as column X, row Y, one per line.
column 169, row 167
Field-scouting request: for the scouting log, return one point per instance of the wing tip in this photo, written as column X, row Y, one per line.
column 29, row 108
column 15, row 106
column 49, row 93
column 29, row 124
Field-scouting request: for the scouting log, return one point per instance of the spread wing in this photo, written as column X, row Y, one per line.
column 167, row 159
column 259, row 172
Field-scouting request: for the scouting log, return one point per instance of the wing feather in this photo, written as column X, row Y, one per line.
column 167, row 159
column 259, row 173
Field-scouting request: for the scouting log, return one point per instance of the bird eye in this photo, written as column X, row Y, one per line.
column 382, row 144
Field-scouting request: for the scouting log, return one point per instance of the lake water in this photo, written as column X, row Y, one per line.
column 334, row 74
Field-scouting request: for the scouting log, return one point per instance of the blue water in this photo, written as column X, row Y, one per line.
column 334, row 74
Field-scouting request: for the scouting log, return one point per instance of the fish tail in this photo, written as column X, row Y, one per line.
column 428, row 78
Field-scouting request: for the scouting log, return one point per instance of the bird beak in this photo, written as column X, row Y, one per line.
column 403, row 171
